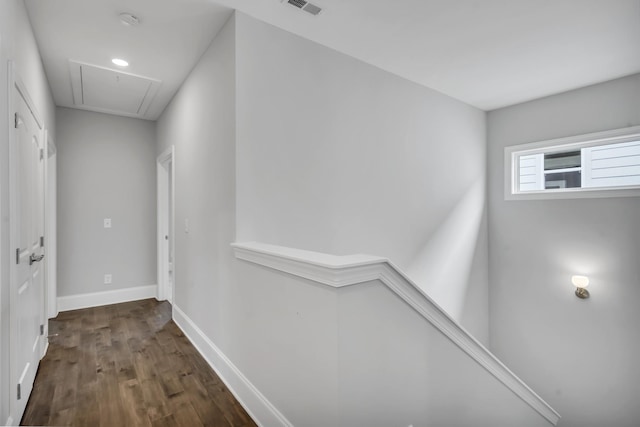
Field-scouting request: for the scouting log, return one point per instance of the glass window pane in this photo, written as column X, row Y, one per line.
column 562, row 180
column 569, row 159
column 561, row 168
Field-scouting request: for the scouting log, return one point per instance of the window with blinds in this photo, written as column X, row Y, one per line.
column 587, row 163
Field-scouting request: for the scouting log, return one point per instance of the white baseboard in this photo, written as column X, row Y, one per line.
column 96, row 299
column 46, row 348
column 255, row 403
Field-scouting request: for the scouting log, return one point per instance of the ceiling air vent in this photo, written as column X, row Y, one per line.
column 306, row 6
column 297, row 3
column 312, row 9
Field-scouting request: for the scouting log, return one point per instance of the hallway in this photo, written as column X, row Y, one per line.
column 127, row 365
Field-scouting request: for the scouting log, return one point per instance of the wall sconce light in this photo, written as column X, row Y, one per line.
column 581, row 282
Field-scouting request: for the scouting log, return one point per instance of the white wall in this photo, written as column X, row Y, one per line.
column 285, row 341
column 340, row 157
column 360, row 356
column 579, row 355
column 319, row 184
column 106, row 169
column 200, row 122
column 18, row 44
column 270, row 331
column 397, row 369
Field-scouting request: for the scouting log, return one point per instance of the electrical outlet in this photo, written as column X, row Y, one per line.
column 107, row 223
column 107, row 279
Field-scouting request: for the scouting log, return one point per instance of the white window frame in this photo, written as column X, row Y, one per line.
column 511, row 166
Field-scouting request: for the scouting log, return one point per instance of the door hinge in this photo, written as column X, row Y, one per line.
column 19, row 394
column 42, row 241
column 41, row 153
column 16, row 120
column 41, row 329
column 17, row 255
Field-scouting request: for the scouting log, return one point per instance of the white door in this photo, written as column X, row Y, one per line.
column 27, row 226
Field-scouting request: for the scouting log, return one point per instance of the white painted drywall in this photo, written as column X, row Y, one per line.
column 579, row 355
column 360, row 356
column 318, row 184
column 337, row 156
column 106, row 169
column 17, row 44
column 280, row 335
column 397, row 369
column 400, row 361
column 200, row 122
column 285, row 341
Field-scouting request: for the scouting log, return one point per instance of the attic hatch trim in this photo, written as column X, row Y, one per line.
column 75, row 71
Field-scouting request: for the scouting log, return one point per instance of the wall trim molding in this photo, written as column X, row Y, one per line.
column 96, row 299
column 252, row 400
column 340, row 271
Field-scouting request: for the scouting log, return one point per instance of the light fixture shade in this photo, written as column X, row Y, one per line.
column 120, row 62
column 580, row 281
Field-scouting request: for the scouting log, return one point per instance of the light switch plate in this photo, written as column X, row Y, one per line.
column 107, row 223
column 107, row 279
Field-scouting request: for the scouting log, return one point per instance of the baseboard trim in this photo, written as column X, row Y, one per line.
column 96, row 299
column 46, row 348
column 255, row 403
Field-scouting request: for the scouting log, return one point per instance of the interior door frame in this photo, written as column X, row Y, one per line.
column 4, row 381
column 50, row 227
column 166, row 187
column 14, row 81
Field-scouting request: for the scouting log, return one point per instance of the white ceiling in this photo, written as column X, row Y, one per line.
column 488, row 53
column 171, row 37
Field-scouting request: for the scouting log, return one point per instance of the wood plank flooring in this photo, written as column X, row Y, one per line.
column 127, row 365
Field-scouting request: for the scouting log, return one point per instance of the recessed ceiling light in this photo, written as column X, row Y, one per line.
column 120, row 62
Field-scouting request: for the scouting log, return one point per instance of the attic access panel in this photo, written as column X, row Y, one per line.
column 111, row 91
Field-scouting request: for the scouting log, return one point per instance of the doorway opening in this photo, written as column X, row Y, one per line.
column 166, row 210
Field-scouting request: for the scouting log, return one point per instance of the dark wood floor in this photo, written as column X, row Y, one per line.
column 127, row 365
